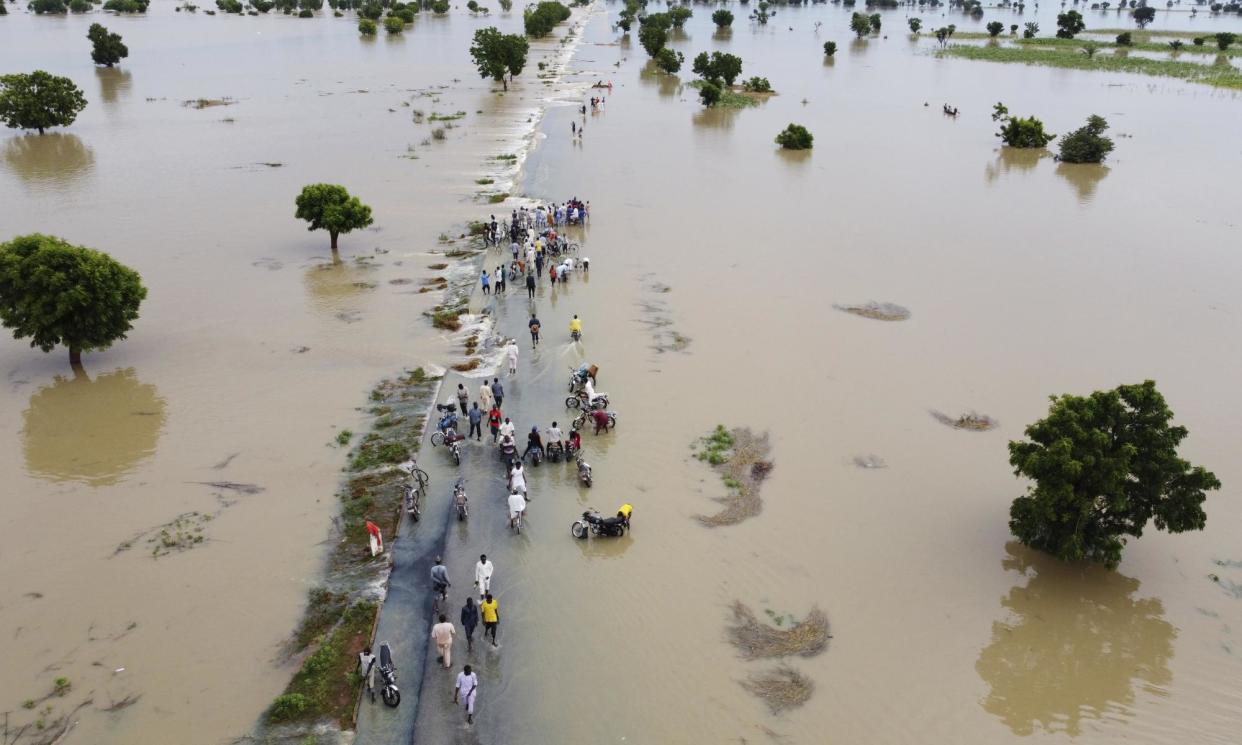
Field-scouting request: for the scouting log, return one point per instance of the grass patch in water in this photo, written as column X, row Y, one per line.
column 484, row 181
column 326, row 685
column 735, row 97
column 756, row 639
column 1220, row 76
column 436, row 117
column 343, row 437
column 781, row 689
column 741, row 458
column 1139, row 45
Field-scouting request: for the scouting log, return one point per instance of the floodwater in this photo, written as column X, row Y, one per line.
column 1024, row 278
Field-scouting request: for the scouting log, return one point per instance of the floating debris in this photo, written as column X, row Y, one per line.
column 400, row 281
column 232, row 486
column 741, row 458
column 756, row 639
column 781, row 689
column 869, row 461
column 970, row 421
column 225, row 463
column 267, row 263
column 206, row 103
column 877, row 311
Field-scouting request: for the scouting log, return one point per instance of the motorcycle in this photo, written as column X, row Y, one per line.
column 572, row 445
column 451, row 439
column 592, row 523
column 575, row 335
column 508, row 454
column 388, row 677
column 584, row 470
column 459, row 501
column 581, row 421
column 578, row 377
column 579, row 400
column 536, row 456
column 555, row 452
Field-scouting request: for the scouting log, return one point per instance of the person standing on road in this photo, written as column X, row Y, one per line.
column 534, row 324
column 463, row 399
column 486, row 280
column 366, row 665
column 442, row 634
column 493, row 421
column 511, row 352
column 467, row 689
column 498, row 392
column 485, row 396
column 469, row 620
column 530, row 285
column 483, row 576
column 491, row 616
column 440, row 579
column 476, row 422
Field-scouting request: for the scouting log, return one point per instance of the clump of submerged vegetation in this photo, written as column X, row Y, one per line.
column 971, row 420
column 756, row 639
column 876, row 311
column 1220, row 76
column 781, row 689
column 742, row 459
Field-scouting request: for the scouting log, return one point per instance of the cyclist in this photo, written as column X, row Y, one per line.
column 517, row 506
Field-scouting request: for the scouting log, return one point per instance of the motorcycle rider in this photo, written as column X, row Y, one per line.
column 554, row 438
column 533, row 442
column 575, row 441
column 508, row 448
column 575, row 326
column 517, row 479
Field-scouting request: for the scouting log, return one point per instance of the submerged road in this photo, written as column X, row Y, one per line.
column 535, row 396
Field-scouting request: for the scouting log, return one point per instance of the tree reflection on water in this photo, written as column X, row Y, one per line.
column 1075, row 646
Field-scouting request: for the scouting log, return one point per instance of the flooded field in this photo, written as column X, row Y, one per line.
column 716, row 264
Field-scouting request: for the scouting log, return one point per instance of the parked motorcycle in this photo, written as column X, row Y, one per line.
column 579, row 376
column 459, row 500
column 579, row 401
column 581, row 420
column 451, row 439
column 388, row 677
column 584, row 470
column 413, row 499
column 592, row 523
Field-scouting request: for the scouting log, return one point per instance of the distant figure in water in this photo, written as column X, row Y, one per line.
column 573, row 128
column 949, row 110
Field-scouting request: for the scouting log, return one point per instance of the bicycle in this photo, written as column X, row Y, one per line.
column 413, row 500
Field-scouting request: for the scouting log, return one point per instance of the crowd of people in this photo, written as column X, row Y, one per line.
column 535, row 241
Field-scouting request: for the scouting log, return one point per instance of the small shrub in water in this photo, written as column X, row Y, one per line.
column 394, row 25
column 830, row 48
column 1087, row 144
column 795, row 137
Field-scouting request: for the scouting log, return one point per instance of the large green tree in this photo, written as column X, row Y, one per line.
column 718, row 67
column 499, row 56
column 1018, row 132
column 56, row 293
column 1069, row 24
column 108, row 47
column 39, row 100
column 330, row 207
column 1103, row 466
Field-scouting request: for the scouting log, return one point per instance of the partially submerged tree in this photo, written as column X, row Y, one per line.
column 108, row 47
column 722, row 18
column 1103, row 466
column 860, row 25
column 915, row 25
column 330, row 207
column 710, row 93
column 1144, row 16
column 39, row 100
column 541, row 19
column 876, row 22
column 679, row 14
column 830, row 48
column 56, row 293
column 1069, row 24
column 1225, row 40
column 367, row 27
column 795, row 137
column 499, row 56
column 394, row 25
column 944, row 33
column 1087, row 144
column 669, row 61
column 1019, row 132
column 718, row 67
column 653, row 32
column 1030, row 29
column 995, row 28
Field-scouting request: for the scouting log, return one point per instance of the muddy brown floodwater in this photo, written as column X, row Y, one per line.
column 1022, row 277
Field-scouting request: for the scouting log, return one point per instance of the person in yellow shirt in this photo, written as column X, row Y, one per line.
column 491, row 616
column 575, row 327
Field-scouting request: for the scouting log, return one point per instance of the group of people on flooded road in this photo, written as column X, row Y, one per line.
column 534, row 242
